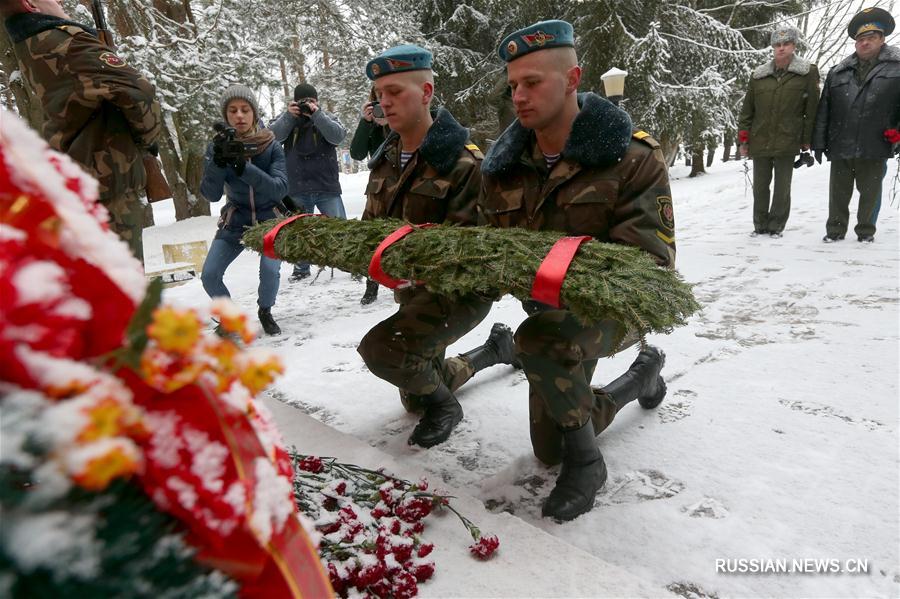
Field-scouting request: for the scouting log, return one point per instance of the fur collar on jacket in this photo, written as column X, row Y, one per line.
column 887, row 54
column 445, row 139
column 600, row 137
column 23, row 25
column 798, row 66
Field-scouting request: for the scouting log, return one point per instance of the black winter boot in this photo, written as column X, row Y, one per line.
column 498, row 349
column 370, row 294
column 442, row 414
column 268, row 323
column 582, row 474
column 641, row 382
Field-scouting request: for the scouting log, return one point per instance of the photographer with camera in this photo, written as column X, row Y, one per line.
column 370, row 134
column 310, row 136
column 776, row 122
column 243, row 162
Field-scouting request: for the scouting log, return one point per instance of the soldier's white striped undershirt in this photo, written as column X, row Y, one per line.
column 404, row 158
column 551, row 159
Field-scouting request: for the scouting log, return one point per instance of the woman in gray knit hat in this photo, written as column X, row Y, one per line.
column 243, row 164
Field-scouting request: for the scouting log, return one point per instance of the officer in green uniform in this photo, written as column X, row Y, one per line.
column 572, row 163
column 99, row 110
column 426, row 171
column 776, row 123
column 858, row 124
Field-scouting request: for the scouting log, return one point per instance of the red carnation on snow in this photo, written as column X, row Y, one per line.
column 485, row 547
column 311, row 464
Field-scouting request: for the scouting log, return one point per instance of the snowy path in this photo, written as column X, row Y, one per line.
column 778, row 438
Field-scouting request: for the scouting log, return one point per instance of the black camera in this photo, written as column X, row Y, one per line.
column 805, row 158
column 377, row 110
column 229, row 148
column 304, row 108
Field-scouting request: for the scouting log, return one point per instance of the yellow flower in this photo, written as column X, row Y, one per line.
column 175, row 330
column 231, row 319
column 105, row 419
column 166, row 373
column 221, row 354
column 258, row 368
column 94, row 466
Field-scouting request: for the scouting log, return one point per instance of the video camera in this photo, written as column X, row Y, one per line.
column 229, row 148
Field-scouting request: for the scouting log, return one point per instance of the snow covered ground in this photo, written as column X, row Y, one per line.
column 777, row 442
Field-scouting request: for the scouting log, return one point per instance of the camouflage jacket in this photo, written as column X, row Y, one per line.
column 609, row 183
column 98, row 110
column 440, row 183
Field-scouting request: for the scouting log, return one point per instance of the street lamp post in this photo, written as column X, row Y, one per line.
column 614, row 84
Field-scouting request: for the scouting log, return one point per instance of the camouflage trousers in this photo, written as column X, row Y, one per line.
column 407, row 349
column 126, row 219
column 558, row 355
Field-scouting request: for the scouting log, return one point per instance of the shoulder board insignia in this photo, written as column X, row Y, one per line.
column 112, row 60
column 476, row 151
column 70, row 29
column 645, row 137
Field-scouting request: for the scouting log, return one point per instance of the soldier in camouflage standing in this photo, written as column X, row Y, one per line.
column 776, row 123
column 572, row 163
column 99, row 110
column 426, row 171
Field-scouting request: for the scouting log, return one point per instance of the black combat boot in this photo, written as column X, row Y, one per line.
column 268, row 323
column 642, row 381
column 582, row 474
column 370, row 294
column 498, row 349
column 442, row 414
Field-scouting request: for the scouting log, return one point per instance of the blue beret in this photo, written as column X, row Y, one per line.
column 871, row 19
column 398, row 60
column 540, row 36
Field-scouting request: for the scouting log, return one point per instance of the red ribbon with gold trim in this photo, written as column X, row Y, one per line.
column 376, row 272
column 550, row 275
column 269, row 239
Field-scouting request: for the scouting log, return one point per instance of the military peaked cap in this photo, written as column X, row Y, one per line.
column 871, row 19
column 540, row 36
column 399, row 59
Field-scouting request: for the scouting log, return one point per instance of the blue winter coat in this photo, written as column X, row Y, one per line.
column 253, row 197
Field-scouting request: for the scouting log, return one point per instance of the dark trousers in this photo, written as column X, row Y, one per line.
column 766, row 217
column 867, row 175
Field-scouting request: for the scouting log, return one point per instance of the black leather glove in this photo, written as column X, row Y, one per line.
column 818, row 154
column 239, row 166
column 219, row 153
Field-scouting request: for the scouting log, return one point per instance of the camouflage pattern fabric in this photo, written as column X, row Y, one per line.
column 629, row 202
column 407, row 348
column 455, row 372
column 440, row 183
column 420, row 193
column 99, row 110
column 126, row 219
column 559, row 355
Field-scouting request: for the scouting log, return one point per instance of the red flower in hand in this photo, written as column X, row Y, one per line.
column 743, row 136
column 892, row 135
column 485, row 547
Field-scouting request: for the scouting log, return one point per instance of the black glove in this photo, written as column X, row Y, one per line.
column 219, row 153
column 239, row 165
column 818, row 154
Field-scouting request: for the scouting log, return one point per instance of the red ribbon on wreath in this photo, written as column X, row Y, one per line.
column 269, row 239
column 550, row 275
column 376, row 272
